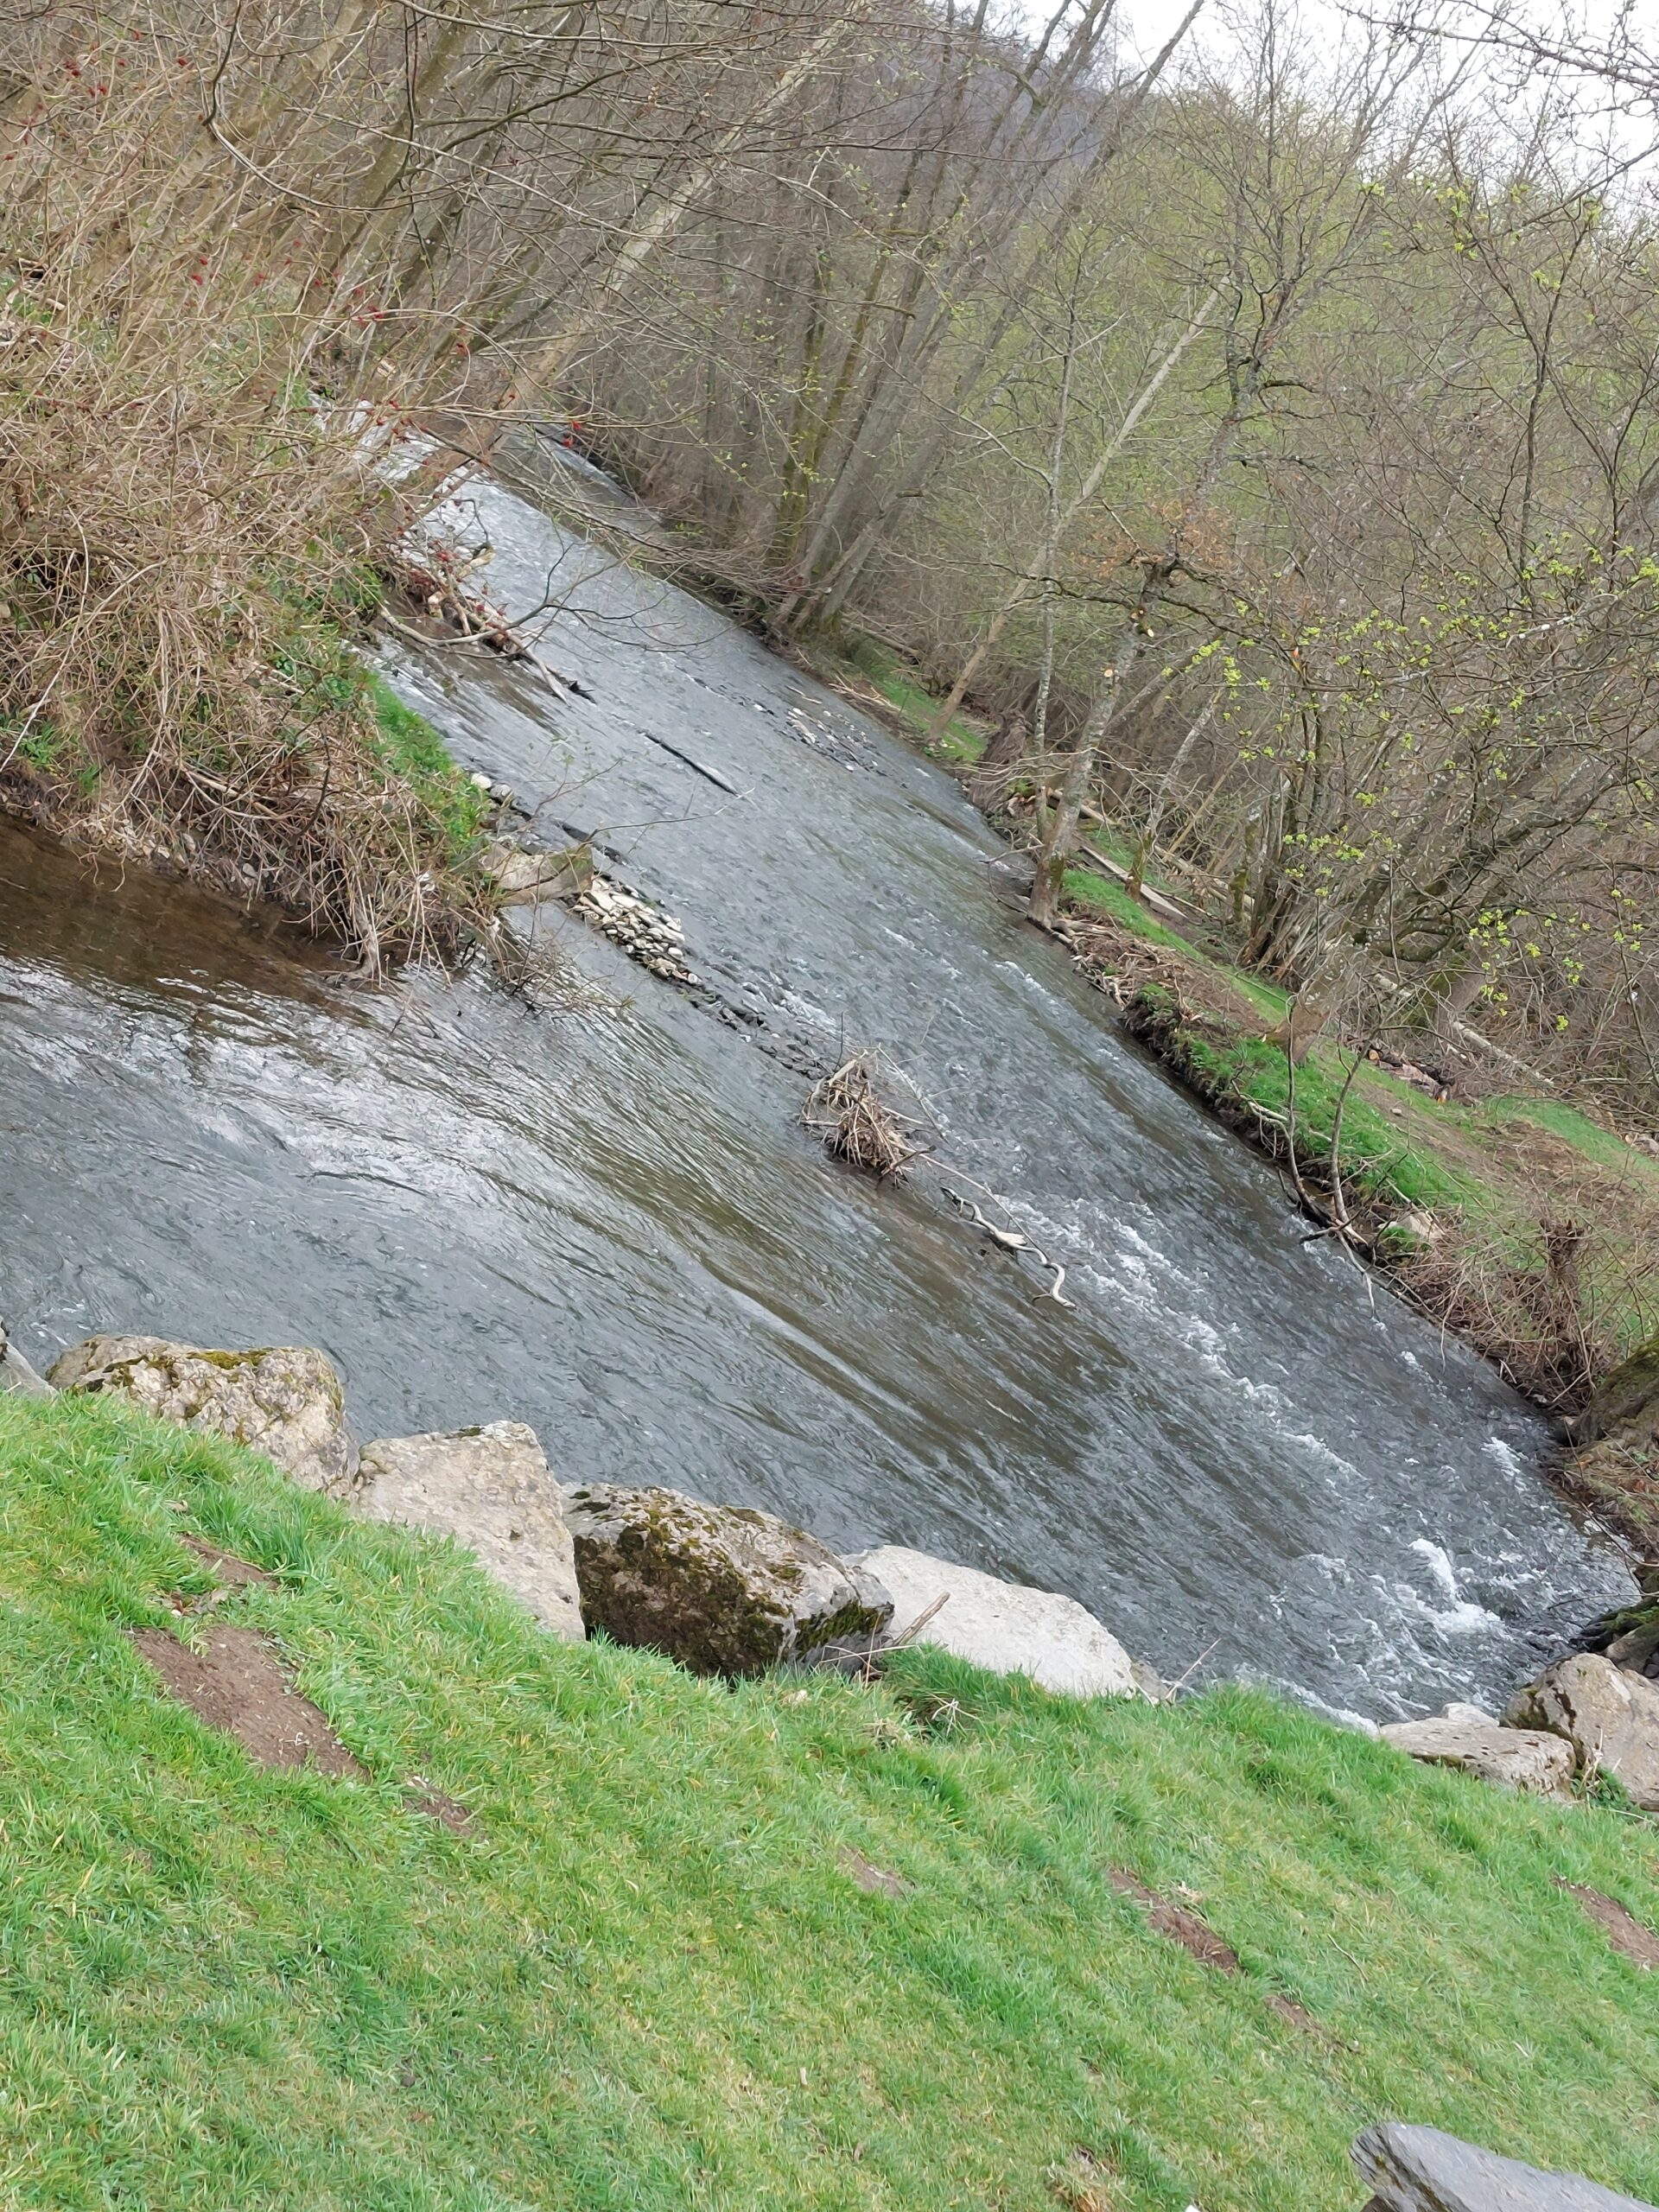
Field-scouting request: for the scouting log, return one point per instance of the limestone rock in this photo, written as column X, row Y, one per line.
column 15, row 1373
column 285, row 1401
column 1638, row 1648
column 1002, row 1626
column 490, row 1488
column 1521, row 1759
column 1420, row 2170
column 1609, row 1717
column 723, row 1590
column 525, row 878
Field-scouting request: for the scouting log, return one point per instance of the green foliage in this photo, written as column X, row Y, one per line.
column 646, row 1977
column 1373, row 1159
column 407, row 744
column 900, row 685
column 1100, row 894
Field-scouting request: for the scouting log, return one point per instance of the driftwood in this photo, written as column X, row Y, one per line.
column 1016, row 1240
column 431, row 578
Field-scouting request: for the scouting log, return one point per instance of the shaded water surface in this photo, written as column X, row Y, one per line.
column 611, row 1225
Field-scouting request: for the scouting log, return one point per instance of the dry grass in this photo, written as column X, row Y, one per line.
column 188, row 507
column 857, row 1124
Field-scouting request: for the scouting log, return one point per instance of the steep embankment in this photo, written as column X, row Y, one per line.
column 797, row 1943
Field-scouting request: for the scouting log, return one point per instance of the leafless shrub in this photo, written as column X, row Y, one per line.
column 1544, row 1304
column 188, row 504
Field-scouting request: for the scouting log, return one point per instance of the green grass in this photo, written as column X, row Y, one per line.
column 1573, row 1128
column 962, row 740
column 409, row 747
column 1102, row 894
column 1374, row 1157
column 646, row 1981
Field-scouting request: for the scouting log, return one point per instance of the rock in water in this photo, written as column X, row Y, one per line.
column 285, row 1401
column 723, row 1590
column 490, row 1488
column 1521, row 1759
column 1420, row 2170
column 1002, row 1626
column 1608, row 1717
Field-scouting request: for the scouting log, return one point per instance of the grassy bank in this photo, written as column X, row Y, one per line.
column 1515, row 1218
column 666, row 1967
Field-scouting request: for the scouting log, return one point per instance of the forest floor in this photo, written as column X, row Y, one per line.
column 795, row 1943
column 1512, row 1216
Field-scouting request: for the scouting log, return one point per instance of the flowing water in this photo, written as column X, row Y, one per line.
column 609, row 1223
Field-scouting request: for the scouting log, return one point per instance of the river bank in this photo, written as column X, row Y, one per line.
column 576, row 1926
column 615, row 1228
column 1508, row 1216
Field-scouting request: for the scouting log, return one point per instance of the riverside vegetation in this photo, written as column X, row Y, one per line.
column 1515, row 1216
column 1265, row 450
column 794, row 1941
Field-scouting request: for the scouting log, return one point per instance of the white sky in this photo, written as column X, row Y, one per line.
column 1151, row 21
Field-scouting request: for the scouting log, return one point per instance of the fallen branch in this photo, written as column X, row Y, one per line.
column 1014, row 1240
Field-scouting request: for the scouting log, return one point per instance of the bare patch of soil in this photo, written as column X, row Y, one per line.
column 229, row 1571
column 420, row 1796
column 1628, row 1935
column 1083, row 2183
column 872, row 1880
column 1293, row 2014
column 232, row 1682
column 1178, row 1923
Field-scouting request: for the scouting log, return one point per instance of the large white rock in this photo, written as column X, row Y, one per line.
column 1421, row 2170
column 1002, row 1626
column 491, row 1489
column 1608, row 1718
column 284, row 1399
column 1520, row 1759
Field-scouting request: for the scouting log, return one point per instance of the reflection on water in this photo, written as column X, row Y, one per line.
column 612, row 1225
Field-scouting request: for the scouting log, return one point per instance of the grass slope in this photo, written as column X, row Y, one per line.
column 645, row 1980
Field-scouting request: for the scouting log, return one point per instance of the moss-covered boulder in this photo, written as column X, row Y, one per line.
column 286, row 1400
column 722, row 1589
column 1626, row 1402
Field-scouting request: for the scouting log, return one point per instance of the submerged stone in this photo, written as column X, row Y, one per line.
column 284, row 1399
column 722, row 1589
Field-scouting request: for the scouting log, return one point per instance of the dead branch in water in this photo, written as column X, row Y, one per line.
column 857, row 1124
column 1016, row 1240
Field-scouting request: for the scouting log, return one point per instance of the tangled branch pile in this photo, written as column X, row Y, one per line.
column 857, row 1124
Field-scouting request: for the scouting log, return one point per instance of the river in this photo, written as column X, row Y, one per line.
column 608, row 1222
